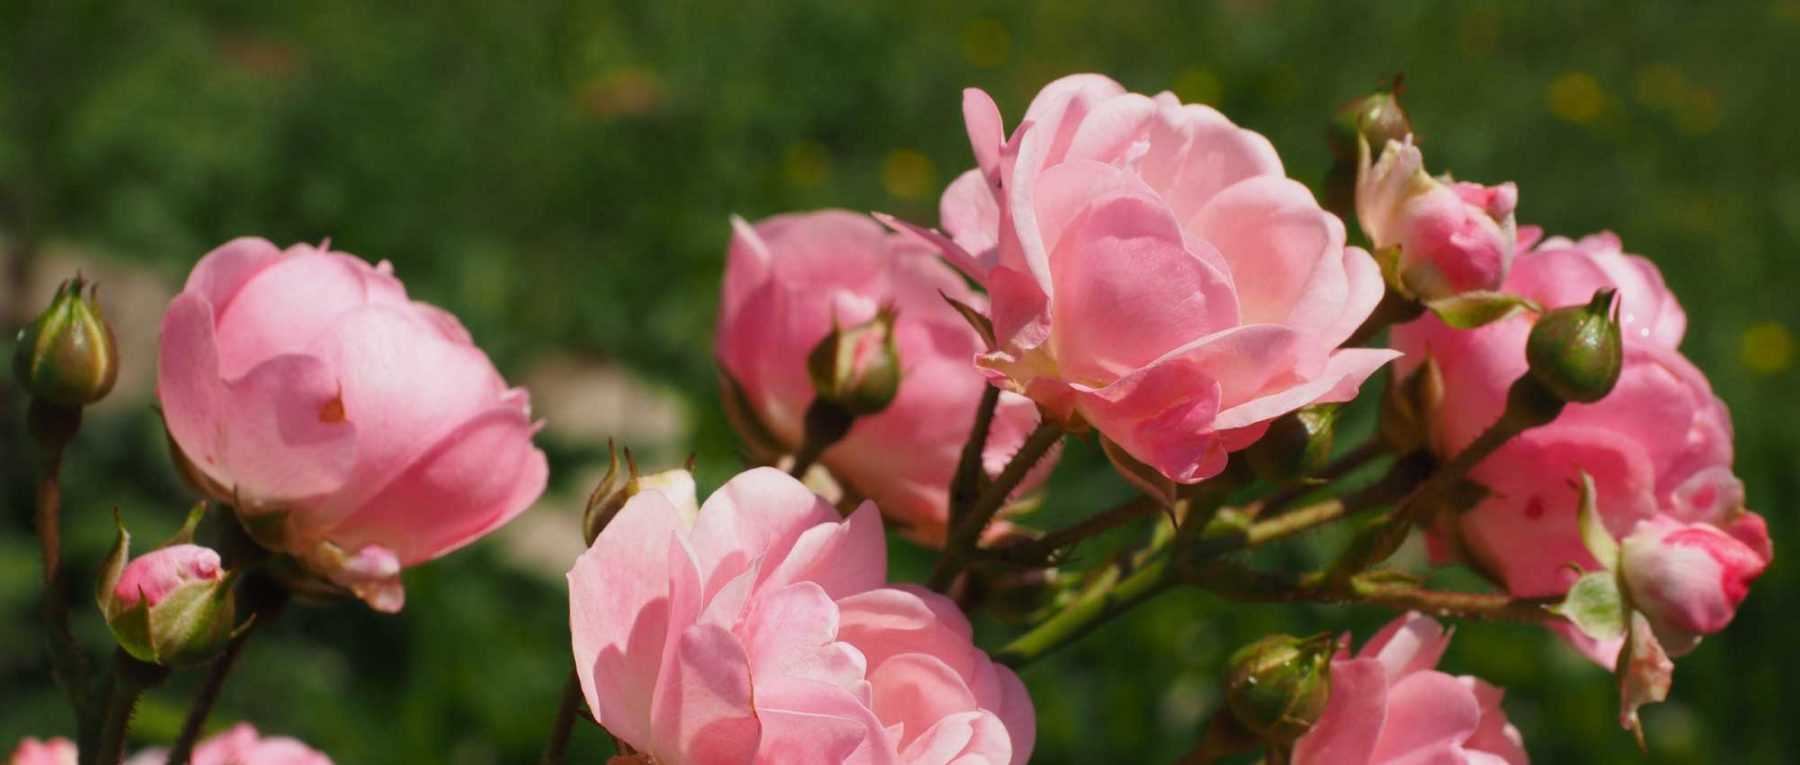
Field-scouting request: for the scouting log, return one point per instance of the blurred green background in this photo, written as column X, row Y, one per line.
column 560, row 175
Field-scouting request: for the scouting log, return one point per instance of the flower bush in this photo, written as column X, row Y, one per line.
column 1148, row 274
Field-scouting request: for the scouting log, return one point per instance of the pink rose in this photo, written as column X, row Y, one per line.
column 1388, row 705
column 240, row 745
column 56, row 751
column 150, row 577
column 763, row 633
column 1688, row 578
column 786, row 280
column 1659, row 444
column 1453, row 237
column 1152, row 272
column 353, row 428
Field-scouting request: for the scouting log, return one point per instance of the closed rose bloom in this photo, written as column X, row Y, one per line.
column 1389, row 704
column 1658, row 447
column 56, row 751
column 241, row 745
column 1453, row 237
column 1152, row 272
column 349, row 426
column 787, row 280
column 760, row 630
column 1688, row 578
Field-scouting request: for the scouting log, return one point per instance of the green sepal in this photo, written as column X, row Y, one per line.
column 1470, row 310
column 983, row 325
column 1599, row 542
column 1595, row 606
column 112, row 567
column 185, row 534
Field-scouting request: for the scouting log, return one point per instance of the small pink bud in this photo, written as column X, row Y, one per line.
column 171, row 606
column 1452, row 237
column 1688, row 579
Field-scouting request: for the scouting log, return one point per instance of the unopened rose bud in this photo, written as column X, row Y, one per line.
column 1408, row 406
column 67, row 355
column 1576, row 352
column 1447, row 238
column 1376, row 118
column 1277, row 686
column 857, row 369
column 618, row 487
column 1688, row 579
column 171, row 607
column 1297, row 444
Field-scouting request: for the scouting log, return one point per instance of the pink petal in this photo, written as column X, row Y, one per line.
column 1285, row 254
column 1195, row 153
column 759, row 512
column 1428, row 713
column 811, row 723
column 474, row 480
column 1339, row 381
column 793, row 632
column 703, row 710
column 1407, row 645
column 288, row 305
column 966, row 738
column 843, row 558
column 986, row 130
column 1347, row 731
column 915, row 690
column 1495, row 736
column 221, row 273
column 971, row 214
column 1127, row 288
column 270, row 434
column 619, row 614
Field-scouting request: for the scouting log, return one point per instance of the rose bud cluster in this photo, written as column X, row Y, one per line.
column 1154, row 274
column 791, row 283
column 1657, row 446
column 1389, row 704
column 759, row 628
column 349, row 427
column 1450, row 237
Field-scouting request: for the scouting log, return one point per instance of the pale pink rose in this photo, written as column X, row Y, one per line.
column 763, row 633
column 240, row 745
column 1153, row 273
column 1688, row 578
column 1389, row 705
column 1454, row 237
column 787, row 278
column 353, row 428
column 152, row 576
column 55, row 751
column 1659, row 444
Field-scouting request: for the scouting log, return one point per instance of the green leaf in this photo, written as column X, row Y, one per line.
column 1595, row 606
column 1474, row 309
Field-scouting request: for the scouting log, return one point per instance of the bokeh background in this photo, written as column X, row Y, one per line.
column 560, row 174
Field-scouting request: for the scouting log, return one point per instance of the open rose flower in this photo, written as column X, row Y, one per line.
column 56, row 751
column 1657, row 447
column 787, row 280
column 763, row 633
column 351, row 427
column 1688, row 578
column 1454, row 237
column 1389, row 704
column 1153, row 273
column 240, row 745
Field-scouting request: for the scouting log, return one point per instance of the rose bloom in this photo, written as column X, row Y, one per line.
column 350, row 427
column 55, row 751
column 1454, row 237
column 787, row 279
column 240, row 745
column 1658, row 446
column 1153, row 273
column 1389, row 705
column 757, row 629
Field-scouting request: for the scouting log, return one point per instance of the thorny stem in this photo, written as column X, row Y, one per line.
column 1041, row 551
column 53, row 427
column 1346, row 463
column 965, row 484
column 966, row 532
column 130, row 678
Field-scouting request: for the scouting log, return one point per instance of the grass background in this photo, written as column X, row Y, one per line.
column 560, row 174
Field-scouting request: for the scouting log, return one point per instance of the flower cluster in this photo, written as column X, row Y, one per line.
column 1117, row 264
